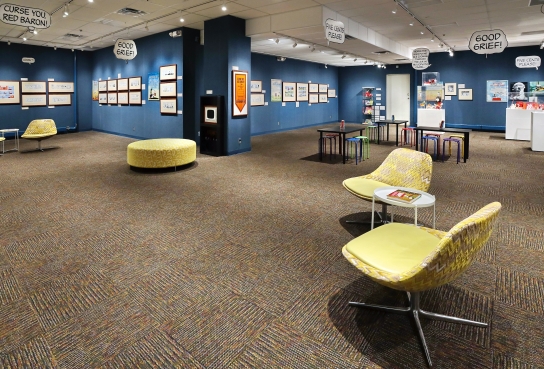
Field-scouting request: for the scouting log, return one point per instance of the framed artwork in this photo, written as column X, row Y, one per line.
column 465, row 94
column 323, row 88
column 169, row 106
column 112, row 98
column 153, row 87
column 168, row 72
column 313, row 87
column 331, row 92
column 61, row 87
column 122, row 98
column 323, row 98
column 32, row 87
column 10, row 92
column 497, row 91
column 450, row 89
column 102, row 98
column 289, row 91
column 239, row 93
column 135, row 83
column 302, row 92
column 34, row 100
column 122, row 84
column 256, row 86
column 314, row 99
column 59, row 99
column 102, row 86
column 168, row 89
column 94, row 95
column 112, row 85
column 518, row 91
column 257, row 99
column 275, row 90
column 135, row 97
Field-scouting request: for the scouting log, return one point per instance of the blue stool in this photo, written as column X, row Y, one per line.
column 353, row 141
column 425, row 144
column 450, row 140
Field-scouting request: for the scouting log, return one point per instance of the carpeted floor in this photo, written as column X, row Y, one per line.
column 236, row 261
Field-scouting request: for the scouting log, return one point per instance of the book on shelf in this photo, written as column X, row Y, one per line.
column 404, row 196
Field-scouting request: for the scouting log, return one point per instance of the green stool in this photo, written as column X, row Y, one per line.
column 364, row 142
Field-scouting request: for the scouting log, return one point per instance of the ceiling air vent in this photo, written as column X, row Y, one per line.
column 72, row 36
column 381, row 52
column 401, row 59
column 348, row 37
column 131, row 12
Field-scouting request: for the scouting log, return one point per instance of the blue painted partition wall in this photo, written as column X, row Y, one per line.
column 264, row 119
column 143, row 121
column 49, row 63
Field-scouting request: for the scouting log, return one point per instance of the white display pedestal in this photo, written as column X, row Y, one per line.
column 430, row 117
column 518, row 124
column 537, row 131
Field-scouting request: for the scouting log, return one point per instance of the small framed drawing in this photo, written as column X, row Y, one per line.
column 331, row 92
column 257, row 99
column 135, row 97
column 313, row 88
column 168, row 72
column 256, row 86
column 34, row 100
column 32, row 87
column 169, row 106
column 112, row 98
column 61, row 87
column 59, row 99
column 450, row 89
column 323, row 98
column 10, row 92
column 465, row 94
column 314, row 99
column 135, row 83
column 289, row 91
column 102, row 86
column 168, row 89
column 302, row 92
column 323, row 88
column 112, row 85
column 102, row 98
column 122, row 84
column 122, row 98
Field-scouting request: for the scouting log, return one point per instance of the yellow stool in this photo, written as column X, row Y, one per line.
column 161, row 153
column 462, row 138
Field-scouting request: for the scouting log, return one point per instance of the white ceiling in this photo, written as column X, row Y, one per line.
column 372, row 25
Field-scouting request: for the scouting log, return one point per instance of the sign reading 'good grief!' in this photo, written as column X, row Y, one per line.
column 23, row 16
column 488, row 42
column 125, row 49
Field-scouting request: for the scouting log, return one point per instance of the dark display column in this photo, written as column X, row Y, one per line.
column 212, row 125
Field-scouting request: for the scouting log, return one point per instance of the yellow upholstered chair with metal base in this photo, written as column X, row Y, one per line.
column 40, row 129
column 415, row 259
column 2, row 139
column 402, row 167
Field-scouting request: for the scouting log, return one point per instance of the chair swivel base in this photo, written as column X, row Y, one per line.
column 416, row 312
column 382, row 218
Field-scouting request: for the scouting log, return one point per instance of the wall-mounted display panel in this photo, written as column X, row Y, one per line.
column 169, row 106
column 289, row 91
column 59, row 99
column 256, row 86
column 465, row 94
column 331, row 92
column 497, row 91
column 135, row 83
column 34, row 100
column 10, row 92
column 33, row 87
column 122, row 98
column 323, row 98
column 314, row 98
column 153, row 87
column 168, row 72
column 102, row 86
column 135, row 97
column 313, row 87
column 257, row 99
column 323, row 88
column 239, row 93
column 168, row 89
column 112, row 97
column 102, row 98
column 112, row 85
column 94, row 90
column 275, row 90
column 450, row 89
column 122, row 84
column 302, row 92
column 61, row 87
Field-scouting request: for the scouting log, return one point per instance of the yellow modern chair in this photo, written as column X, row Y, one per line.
column 402, row 167
column 40, row 129
column 415, row 259
column 2, row 140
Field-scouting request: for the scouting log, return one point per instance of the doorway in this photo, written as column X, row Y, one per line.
column 398, row 96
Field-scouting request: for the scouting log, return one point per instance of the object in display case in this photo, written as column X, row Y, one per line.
column 368, row 93
column 430, row 78
column 369, row 102
column 368, row 110
column 430, row 97
column 518, row 91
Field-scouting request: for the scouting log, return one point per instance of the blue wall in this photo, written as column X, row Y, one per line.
column 265, row 118
column 143, row 121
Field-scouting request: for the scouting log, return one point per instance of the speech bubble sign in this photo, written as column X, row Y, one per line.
column 28, row 60
column 334, row 31
column 125, row 49
column 24, row 16
column 420, row 58
column 488, row 42
column 528, row 61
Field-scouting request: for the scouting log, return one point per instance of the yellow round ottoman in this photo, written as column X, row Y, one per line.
column 161, row 153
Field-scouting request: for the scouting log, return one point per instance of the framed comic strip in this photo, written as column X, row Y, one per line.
column 323, row 88
column 323, row 98
column 331, row 92
column 33, row 87
column 169, row 106
column 122, row 84
column 122, row 98
column 112, row 85
column 135, row 83
column 60, row 87
column 168, row 89
column 10, row 92
column 313, row 88
column 102, row 98
column 465, row 94
column 34, row 100
column 59, row 99
column 302, row 92
column 102, row 86
column 314, row 99
column 289, row 93
column 112, row 98
column 168, row 72
column 257, row 99
column 256, row 86
column 450, row 89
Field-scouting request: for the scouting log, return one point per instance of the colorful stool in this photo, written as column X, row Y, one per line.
column 425, row 144
column 409, row 135
column 462, row 138
column 352, row 142
column 323, row 143
column 364, row 141
column 450, row 140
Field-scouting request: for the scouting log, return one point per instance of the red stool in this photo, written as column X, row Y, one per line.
column 408, row 136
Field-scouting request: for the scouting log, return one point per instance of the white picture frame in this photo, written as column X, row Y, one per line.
column 240, row 93
column 323, row 88
column 60, row 87
column 135, row 97
column 33, row 87
column 331, row 92
column 102, row 86
column 168, row 72
column 168, row 89
column 289, row 91
column 59, row 99
column 313, row 98
column 112, row 85
column 169, row 106
column 302, row 91
column 135, row 83
column 122, row 98
column 256, row 86
column 112, row 98
column 313, row 88
column 103, row 98
column 34, row 100
column 465, row 94
column 122, row 84
column 257, row 99
column 323, row 98
column 450, row 89
column 10, row 92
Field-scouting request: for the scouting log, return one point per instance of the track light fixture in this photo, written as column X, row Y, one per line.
column 24, row 36
column 326, row 66
column 9, row 43
column 542, row 45
column 295, row 44
column 277, row 40
column 54, row 48
column 432, row 39
column 355, row 59
column 421, row 32
column 146, row 27
column 412, row 24
column 280, row 58
column 394, row 11
column 450, row 51
column 344, row 56
column 66, row 10
column 441, row 45
column 224, row 7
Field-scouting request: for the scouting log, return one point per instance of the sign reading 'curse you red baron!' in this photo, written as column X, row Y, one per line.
column 24, row 16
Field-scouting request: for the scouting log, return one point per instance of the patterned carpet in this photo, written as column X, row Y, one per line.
column 235, row 262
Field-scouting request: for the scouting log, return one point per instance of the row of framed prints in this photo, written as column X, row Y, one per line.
column 294, row 91
column 33, row 93
column 120, row 98
column 120, row 84
column 257, row 99
column 30, row 100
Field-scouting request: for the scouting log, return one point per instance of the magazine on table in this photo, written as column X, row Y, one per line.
column 404, row 196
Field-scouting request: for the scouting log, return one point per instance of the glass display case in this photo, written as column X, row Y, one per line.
column 430, row 97
column 430, row 78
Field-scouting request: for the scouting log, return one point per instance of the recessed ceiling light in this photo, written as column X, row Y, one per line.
column 224, row 8
column 182, row 20
column 422, row 32
column 411, row 23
